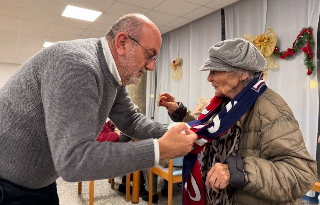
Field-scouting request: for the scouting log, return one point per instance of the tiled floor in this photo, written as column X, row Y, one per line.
column 104, row 195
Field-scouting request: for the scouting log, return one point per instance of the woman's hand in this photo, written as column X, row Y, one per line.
column 218, row 177
column 168, row 101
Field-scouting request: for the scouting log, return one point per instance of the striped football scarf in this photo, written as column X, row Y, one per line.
column 193, row 188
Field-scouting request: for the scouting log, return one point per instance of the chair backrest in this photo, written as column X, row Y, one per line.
column 178, row 162
column 171, row 174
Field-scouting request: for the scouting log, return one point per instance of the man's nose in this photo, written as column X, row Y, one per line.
column 151, row 66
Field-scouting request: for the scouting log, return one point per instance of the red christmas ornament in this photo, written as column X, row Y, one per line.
column 309, row 72
column 309, row 31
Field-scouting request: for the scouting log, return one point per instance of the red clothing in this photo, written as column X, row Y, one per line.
column 108, row 134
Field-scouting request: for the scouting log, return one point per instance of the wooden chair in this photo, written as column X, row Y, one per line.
column 111, row 181
column 171, row 174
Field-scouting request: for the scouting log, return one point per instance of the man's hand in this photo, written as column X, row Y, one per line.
column 176, row 143
column 218, row 177
column 168, row 101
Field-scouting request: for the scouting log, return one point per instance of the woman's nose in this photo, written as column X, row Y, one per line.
column 210, row 77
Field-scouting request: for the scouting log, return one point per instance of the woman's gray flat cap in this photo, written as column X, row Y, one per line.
column 232, row 54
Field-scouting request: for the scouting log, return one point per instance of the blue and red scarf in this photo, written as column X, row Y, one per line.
column 226, row 117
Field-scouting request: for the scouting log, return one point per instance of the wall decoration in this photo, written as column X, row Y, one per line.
column 305, row 37
column 176, row 67
column 266, row 44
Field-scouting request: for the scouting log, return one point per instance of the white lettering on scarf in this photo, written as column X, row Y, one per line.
column 198, row 127
column 205, row 111
column 201, row 142
column 216, row 126
column 196, row 189
column 229, row 106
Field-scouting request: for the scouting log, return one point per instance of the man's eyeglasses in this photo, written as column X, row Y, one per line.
column 149, row 56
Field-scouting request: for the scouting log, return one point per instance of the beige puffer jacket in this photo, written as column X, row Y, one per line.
column 278, row 168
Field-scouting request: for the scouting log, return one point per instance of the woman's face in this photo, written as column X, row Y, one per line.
column 227, row 84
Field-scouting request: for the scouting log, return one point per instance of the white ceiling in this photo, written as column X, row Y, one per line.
column 26, row 24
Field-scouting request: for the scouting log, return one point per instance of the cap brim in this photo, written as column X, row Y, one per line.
column 216, row 64
column 204, row 68
column 217, row 67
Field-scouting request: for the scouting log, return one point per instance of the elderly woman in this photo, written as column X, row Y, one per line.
column 254, row 150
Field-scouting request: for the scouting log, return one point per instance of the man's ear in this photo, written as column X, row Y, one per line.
column 121, row 42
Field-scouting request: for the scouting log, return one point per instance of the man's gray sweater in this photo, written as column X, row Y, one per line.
column 52, row 110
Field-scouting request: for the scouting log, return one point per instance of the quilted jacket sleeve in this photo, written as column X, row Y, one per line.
column 284, row 171
column 181, row 114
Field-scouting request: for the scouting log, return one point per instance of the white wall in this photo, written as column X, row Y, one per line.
column 6, row 70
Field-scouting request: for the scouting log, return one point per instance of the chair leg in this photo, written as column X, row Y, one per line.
column 128, row 187
column 91, row 192
column 79, row 187
column 150, row 187
column 112, row 183
column 135, row 187
column 170, row 190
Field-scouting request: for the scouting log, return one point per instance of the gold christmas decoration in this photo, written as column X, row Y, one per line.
column 266, row 44
column 176, row 67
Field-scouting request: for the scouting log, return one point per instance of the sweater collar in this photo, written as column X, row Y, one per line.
column 109, row 59
column 104, row 64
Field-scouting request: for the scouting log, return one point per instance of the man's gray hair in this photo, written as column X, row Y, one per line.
column 132, row 24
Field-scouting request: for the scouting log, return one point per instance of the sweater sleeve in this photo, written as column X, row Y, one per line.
column 71, row 97
column 285, row 172
column 132, row 123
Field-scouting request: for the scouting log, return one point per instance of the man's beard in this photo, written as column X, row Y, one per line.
column 135, row 78
column 126, row 64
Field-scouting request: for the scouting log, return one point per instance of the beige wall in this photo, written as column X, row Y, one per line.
column 138, row 93
column 6, row 70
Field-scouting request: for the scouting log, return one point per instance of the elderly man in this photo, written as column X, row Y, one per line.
column 53, row 108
